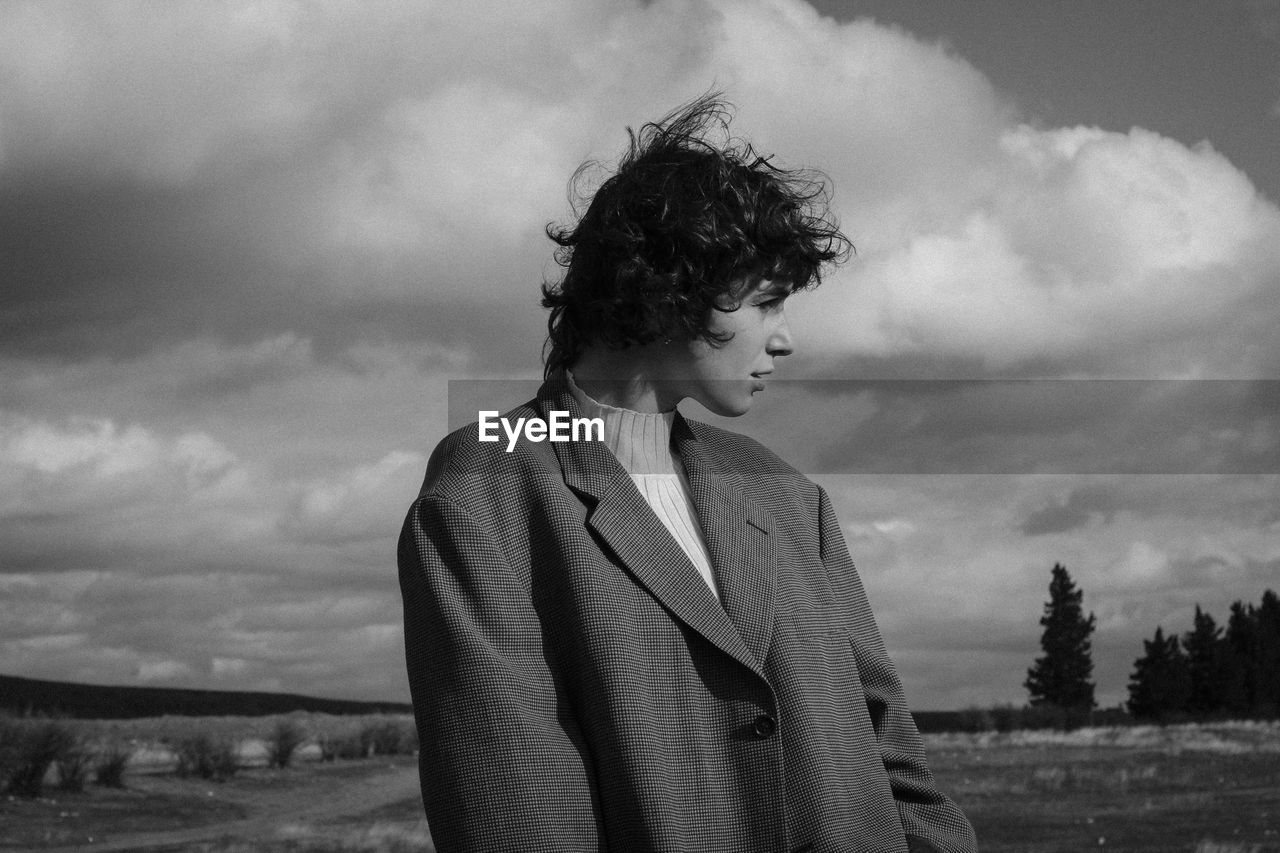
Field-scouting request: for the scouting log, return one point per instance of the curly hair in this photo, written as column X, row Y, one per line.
column 675, row 228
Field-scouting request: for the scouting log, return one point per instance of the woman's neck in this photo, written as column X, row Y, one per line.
column 641, row 441
column 626, row 379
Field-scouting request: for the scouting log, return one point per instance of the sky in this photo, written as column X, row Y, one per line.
column 257, row 257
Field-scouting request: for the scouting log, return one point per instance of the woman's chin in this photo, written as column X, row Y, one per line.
column 735, row 408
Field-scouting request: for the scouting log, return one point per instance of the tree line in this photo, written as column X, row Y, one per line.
column 1208, row 673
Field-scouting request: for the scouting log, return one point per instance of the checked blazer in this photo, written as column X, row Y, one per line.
column 577, row 686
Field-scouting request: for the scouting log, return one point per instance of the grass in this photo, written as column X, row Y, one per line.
column 379, row 837
column 1211, row 788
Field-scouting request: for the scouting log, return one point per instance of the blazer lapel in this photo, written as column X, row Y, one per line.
column 741, row 537
column 618, row 514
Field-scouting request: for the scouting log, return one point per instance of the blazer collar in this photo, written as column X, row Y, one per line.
column 740, row 537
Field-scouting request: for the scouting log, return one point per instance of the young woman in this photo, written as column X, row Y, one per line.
column 655, row 639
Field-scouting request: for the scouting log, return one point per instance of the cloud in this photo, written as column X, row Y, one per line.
column 95, row 495
column 1265, row 16
column 952, row 584
column 1144, row 564
column 52, row 468
column 1080, row 507
column 197, row 629
column 361, row 503
column 329, row 157
column 163, row 670
column 1115, row 254
column 1021, row 426
column 249, row 244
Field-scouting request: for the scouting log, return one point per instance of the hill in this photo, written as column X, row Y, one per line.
column 103, row 702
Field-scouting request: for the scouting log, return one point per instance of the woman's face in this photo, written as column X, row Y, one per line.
column 725, row 377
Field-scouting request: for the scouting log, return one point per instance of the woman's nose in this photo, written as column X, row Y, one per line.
column 779, row 342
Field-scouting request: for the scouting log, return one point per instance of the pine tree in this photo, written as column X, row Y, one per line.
column 1267, row 667
column 1240, row 650
column 1061, row 677
column 1206, row 665
column 1160, row 684
column 1252, row 650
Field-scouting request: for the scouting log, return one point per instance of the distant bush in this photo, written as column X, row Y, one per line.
column 975, row 719
column 1009, row 718
column 381, row 736
column 346, row 747
column 109, row 765
column 283, row 741
column 411, row 739
column 1006, row 718
column 10, row 748
column 1044, row 717
column 207, row 758
column 73, row 767
column 31, row 747
column 388, row 737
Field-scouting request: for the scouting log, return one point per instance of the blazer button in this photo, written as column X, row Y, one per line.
column 764, row 726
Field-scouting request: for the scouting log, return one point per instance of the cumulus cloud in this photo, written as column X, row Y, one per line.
column 364, row 502
column 55, row 467
column 347, row 155
column 1022, row 426
column 249, row 244
column 1091, row 249
column 158, row 499
column 1080, row 507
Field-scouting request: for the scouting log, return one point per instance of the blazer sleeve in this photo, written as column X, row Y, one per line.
column 931, row 820
column 503, row 763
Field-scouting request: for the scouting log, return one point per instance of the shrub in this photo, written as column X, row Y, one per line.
column 1044, row 717
column 347, row 747
column 333, row 747
column 283, row 741
column 385, row 737
column 225, row 760
column 38, row 746
column 382, row 736
column 411, row 738
column 110, row 764
column 327, row 745
column 10, row 748
column 975, row 719
column 73, row 768
column 1006, row 718
column 207, row 758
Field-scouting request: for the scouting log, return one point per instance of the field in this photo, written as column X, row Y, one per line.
column 1199, row 789
column 1202, row 789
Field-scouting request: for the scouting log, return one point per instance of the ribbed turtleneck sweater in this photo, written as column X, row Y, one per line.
column 641, row 441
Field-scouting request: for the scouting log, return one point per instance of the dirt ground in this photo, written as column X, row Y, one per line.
column 1194, row 789
column 255, row 808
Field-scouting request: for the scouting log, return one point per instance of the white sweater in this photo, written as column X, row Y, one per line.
column 641, row 441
